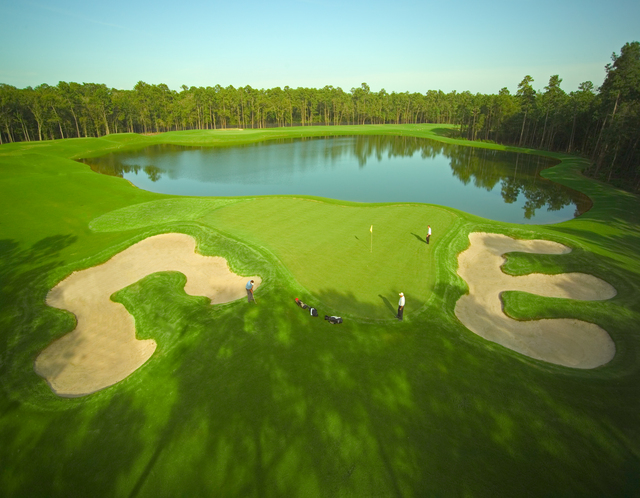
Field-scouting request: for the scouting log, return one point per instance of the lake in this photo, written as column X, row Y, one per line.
column 502, row 186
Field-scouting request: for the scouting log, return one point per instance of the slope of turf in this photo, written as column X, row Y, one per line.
column 264, row 400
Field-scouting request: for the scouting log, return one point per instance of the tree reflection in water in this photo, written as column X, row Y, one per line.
column 516, row 175
column 110, row 165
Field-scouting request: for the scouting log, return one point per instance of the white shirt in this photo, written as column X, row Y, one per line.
column 401, row 302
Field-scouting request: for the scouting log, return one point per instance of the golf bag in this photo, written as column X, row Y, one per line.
column 334, row 320
column 301, row 304
column 313, row 312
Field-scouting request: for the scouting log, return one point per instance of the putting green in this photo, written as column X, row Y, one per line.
column 329, row 249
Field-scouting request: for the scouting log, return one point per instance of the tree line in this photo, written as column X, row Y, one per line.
column 601, row 123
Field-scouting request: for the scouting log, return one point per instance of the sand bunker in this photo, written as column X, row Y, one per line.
column 103, row 349
column 568, row 342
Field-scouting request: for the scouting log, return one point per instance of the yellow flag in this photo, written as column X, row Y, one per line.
column 371, row 229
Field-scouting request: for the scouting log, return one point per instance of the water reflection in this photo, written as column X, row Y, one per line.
column 494, row 184
column 110, row 165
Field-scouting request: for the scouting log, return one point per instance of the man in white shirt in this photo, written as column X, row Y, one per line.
column 428, row 233
column 401, row 306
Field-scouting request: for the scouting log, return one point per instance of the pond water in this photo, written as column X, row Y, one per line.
column 498, row 185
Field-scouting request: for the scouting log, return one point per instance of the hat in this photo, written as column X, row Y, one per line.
column 401, row 294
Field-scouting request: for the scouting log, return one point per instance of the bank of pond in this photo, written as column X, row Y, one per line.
column 493, row 184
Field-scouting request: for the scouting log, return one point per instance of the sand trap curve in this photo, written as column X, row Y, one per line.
column 568, row 342
column 103, row 349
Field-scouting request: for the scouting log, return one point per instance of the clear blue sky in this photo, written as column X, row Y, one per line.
column 399, row 46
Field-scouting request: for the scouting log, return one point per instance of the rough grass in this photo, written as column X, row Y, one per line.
column 263, row 400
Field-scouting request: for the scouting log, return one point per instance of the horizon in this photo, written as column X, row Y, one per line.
column 404, row 47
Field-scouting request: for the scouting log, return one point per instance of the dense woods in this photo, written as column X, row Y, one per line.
column 602, row 123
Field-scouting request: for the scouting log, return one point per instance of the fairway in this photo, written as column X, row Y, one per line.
column 242, row 399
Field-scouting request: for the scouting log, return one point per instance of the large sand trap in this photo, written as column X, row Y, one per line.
column 567, row 342
column 103, row 348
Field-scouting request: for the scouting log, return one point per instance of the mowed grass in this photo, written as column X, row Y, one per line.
column 363, row 272
column 246, row 400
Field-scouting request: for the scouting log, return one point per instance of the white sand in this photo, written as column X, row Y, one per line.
column 572, row 343
column 103, row 349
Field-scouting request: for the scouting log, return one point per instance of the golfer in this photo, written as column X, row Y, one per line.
column 428, row 233
column 401, row 306
column 250, row 292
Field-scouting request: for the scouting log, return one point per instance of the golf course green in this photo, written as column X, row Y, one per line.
column 244, row 399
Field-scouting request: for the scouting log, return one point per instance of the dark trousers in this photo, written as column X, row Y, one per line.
column 400, row 311
column 428, row 237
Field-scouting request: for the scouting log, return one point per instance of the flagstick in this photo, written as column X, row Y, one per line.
column 371, row 230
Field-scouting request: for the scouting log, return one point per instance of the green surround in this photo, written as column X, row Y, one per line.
column 154, row 213
column 264, row 400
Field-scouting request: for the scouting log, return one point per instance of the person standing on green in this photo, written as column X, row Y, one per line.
column 428, row 233
column 401, row 306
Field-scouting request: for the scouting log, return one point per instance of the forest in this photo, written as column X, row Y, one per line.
column 600, row 123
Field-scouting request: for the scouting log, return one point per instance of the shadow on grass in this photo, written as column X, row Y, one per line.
column 64, row 443
column 446, row 132
column 331, row 302
column 243, row 400
column 388, row 305
column 421, row 239
column 358, row 239
column 386, row 400
column 23, row 288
